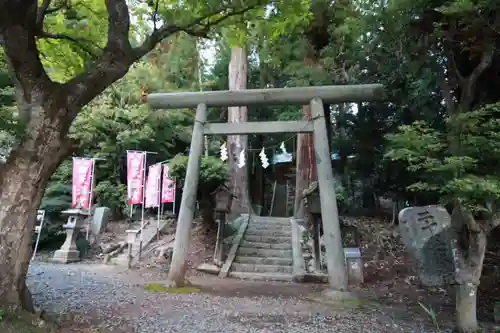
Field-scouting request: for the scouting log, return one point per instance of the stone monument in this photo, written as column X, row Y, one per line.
column 76, row 222
column 101, row 217
column 423, row 230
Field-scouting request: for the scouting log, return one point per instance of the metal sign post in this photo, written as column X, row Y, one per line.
column 40, row 216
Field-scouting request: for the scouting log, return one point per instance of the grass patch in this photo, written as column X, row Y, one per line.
column 159, row 288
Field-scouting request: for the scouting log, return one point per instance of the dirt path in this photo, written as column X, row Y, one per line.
column 115, row 299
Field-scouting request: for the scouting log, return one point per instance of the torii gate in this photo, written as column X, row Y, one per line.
column 315, row 96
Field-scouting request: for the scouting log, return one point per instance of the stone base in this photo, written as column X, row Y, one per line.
column 298, row 277
column 316, row 278
column 209, row 268
column 66, row 257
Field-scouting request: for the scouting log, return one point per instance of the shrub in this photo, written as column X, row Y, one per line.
column 213, row 173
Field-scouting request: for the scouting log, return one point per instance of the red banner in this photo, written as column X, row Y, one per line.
column 167, row 187
column 153, row 186
column 82, row 174
column 135, row 174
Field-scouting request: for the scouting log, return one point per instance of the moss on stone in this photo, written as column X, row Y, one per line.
column 159, row 288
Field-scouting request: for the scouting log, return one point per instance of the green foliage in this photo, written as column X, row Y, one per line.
column 86, row 22
column 57, row 195
column 9, row 126
column 113, row 196
column 56, row 199
column 458, row 163
column 119, row 120
column 52, row 235
column 212, row 172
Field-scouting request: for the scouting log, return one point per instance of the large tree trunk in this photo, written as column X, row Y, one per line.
column 50, row 110
column 22, row 183
column 468, row 245
column 238, row 71
column 306, row 164
column 317, row 35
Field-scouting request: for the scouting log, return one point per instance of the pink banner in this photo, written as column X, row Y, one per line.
column 82, row 174
column 167, row 187
column 135, row 174
column 153, row 186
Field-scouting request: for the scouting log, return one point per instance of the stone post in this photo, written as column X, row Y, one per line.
column 131, row 237
column 299, row 270
column 337, row 274
column 68, row 252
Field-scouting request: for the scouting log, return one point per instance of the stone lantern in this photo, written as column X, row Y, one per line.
column 223, row 199
column 69, row 252
column 131, row 237
column 223, row 202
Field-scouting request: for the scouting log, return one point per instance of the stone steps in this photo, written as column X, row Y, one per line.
column 266, row 220
column 270, row 229
column 150, row 232
column 262, row 232
column 266, row 251
column 260, row 245
column 268, row 239
column 256, row 252
column 263, row 261
column 262, row 276
column 262, row 268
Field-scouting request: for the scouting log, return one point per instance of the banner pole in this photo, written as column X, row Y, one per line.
column 141, row 236
column 159, row 201
column 162, row 171
column 91, row 197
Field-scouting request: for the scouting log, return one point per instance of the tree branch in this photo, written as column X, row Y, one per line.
column 42, row 10
column 155, row 14
column 119, row 55
column 18, row 32
column 80, row 42
column 447, row 95
column 118, row 26
column 196, row 28
column 469, row 83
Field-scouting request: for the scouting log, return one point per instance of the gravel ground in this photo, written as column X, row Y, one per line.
column 113, row 301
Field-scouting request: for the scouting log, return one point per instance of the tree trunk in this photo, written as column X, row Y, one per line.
column 468, row 246
column 465, row 298
column 306, row 164
column 22, row 183
column 238, row 71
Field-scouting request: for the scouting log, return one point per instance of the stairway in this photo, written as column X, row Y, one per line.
column 150, row 233
column 265, row 252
